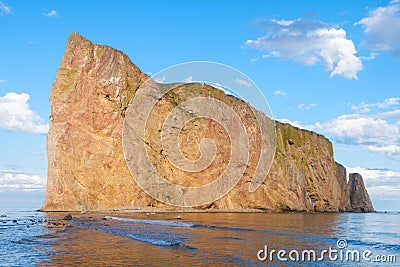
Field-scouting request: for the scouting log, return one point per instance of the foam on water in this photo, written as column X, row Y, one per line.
column 154, row 222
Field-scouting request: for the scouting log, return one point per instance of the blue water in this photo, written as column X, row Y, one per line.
column 197, row 239
column 18, row 232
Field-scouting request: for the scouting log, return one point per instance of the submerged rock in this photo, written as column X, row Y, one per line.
column 68, row 217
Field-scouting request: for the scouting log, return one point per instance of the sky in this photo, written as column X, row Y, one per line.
column 328, row 66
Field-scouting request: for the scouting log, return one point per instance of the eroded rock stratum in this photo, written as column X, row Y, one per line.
column 87, row 168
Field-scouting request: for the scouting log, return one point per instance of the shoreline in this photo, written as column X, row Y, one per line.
column 147, row 210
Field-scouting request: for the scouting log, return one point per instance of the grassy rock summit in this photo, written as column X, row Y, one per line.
column 87, row 168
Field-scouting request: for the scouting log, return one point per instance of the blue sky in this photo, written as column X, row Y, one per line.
column 329, row 66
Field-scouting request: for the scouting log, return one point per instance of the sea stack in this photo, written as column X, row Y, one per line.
column 87, row 169
column 359, row 198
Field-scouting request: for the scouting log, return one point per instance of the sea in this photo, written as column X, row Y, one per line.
column 32, row 238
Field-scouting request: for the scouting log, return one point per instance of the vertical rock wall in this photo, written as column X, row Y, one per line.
column 86, row 165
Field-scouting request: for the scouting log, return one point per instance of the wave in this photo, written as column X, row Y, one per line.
column 154, row 222
column 157, row 242
column 168, row 223
column 163, row 242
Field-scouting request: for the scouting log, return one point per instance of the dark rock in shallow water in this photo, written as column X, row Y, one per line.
column 68, row 217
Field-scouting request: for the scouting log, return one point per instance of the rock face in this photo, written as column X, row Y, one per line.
column 87, row 168
column 359, row 198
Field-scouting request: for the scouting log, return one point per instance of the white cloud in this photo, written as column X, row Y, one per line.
column 161, row 79
column 2, row 81
column 4, row 9
column 51, row 13
column 243, row 82
column 369, row 132
column 13, row 181
column 16, row 115
column 294, row 123
column 309, row 42
column 306, row 106
column 382, row 28
column 279, row 92
column 395, row 114
column 188, row 79
column 381, row 184
column 375, row 132
column 366, row 107
column 371, row 56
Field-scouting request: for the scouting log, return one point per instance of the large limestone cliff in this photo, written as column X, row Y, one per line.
column 86, row 165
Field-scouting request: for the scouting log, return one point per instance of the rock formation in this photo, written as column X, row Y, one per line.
column 359, row 198
column 87, row 169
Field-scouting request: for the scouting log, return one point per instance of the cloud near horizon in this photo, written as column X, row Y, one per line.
column 17, row 116
column 377, row 132
column 15, row 181
column 308, row 42
column 370, row 132
column 381, row 184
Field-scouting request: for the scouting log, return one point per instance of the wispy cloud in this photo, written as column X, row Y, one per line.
column 371, row 56
column 51, row 13
column 306, row 106
column 366, row 107
column 279, row 92
column 11, row 171
column 16, row 115
column 308, row 42
column 14, row 181
column 4, row 9
column 2, row 81
column 382, row 28
column 243, row 82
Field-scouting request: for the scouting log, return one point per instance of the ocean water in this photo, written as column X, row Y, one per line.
column 201, row 239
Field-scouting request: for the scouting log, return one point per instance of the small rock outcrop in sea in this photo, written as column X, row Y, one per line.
column 68, row 217
column 359, row 198
column 3, row 215
column 87, row 168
